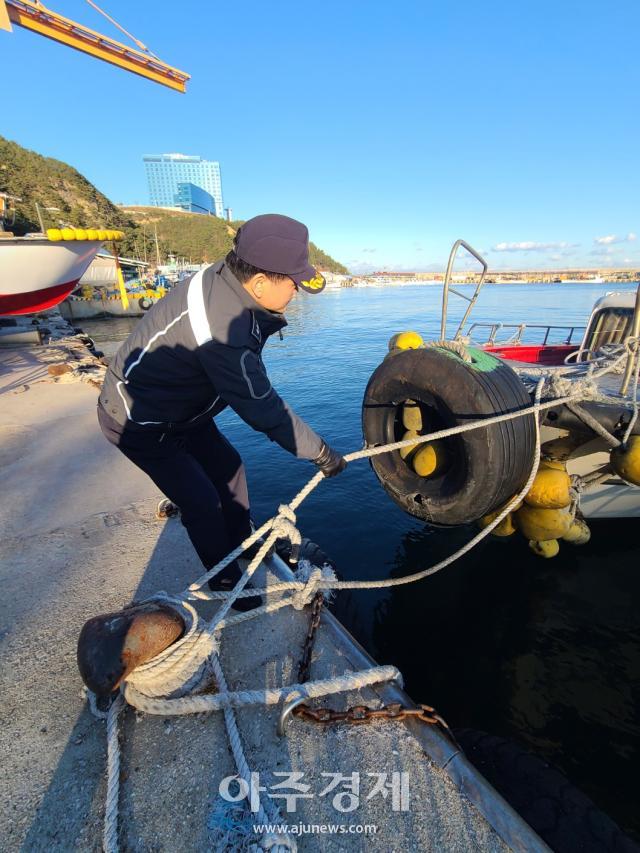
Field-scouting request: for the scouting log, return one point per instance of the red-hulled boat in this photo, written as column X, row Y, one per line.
column 37, row 273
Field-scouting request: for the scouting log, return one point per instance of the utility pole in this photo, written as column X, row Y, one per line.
column 155, row 228
column 144, row 241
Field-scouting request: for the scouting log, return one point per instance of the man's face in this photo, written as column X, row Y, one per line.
column 272, row 294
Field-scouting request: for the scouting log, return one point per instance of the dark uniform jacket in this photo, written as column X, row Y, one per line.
column 197, row 351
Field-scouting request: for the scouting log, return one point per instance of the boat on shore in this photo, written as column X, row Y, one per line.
column 38, row 271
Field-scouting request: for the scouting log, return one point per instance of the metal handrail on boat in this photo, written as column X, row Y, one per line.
column 446, row 287
column 521, row 328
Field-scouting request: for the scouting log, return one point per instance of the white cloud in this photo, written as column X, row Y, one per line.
column 608, row 239
column 530, row 246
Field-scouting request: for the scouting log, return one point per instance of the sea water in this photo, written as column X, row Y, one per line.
column 545, row 653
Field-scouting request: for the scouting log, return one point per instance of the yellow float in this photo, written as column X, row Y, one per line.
column 405, row 452
column 547, row 548
column 542, row 524
column 506, row 526
column 406, row 340
column 550, row 489
column 625, row 461
column 412, row 416
column 578, row 533
column 428, row 459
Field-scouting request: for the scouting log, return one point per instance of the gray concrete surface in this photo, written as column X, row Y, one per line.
column 80, row 538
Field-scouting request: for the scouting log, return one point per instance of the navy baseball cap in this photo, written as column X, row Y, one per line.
column 279, row 244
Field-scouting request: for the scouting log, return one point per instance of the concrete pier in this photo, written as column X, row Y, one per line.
column 80, row 538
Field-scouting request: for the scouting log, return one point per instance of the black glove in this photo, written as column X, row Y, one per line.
column 330, row 462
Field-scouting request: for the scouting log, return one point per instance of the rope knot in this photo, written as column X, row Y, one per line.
column 304, row 596
column 284, row 527
column 313, row 578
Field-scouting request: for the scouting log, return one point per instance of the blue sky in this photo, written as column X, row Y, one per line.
column 390, row 129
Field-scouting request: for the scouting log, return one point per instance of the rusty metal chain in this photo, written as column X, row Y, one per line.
column 356, row 713
column 307, row 649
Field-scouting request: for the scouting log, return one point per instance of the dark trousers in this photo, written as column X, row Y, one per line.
column 201, row 472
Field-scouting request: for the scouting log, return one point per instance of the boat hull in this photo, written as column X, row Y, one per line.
column 81, row 308
column 37, row 274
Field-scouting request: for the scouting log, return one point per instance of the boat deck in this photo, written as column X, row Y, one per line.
column 80, row 538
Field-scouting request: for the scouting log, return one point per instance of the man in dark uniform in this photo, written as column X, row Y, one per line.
column 197, row 351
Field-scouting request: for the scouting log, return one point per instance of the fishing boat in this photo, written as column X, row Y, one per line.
column 88, row 302
column 38, row 271
column 589, row 430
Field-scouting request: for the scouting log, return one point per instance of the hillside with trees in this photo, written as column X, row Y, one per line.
column 53, row 184
column 195, row 237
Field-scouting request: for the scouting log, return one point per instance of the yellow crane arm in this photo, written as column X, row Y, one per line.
column 33, row 16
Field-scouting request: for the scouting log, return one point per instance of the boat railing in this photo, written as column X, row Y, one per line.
column 519, row 330
column 446, row 289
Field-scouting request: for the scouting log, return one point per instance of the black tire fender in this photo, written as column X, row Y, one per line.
column 486, row 466
column 145, row 303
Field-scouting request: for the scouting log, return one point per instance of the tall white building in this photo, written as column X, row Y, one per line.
column 166, row 171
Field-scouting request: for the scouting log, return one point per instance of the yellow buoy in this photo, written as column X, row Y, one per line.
column 405, row 452
column 411, row 415
column 550, row 489
column 427, row 459
column 542, row 524
column 92, row 234
column 54, row 234
column 68, row 234
column 625, row 461
column 406, row 340
column 102, row 234
column 578, row 533
column 506, row 526
column 81, row 234
column 547, row 548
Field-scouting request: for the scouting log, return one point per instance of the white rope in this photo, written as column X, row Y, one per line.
column 110, row 832
column 207, row 702
column 267, row 813
column 634, row 397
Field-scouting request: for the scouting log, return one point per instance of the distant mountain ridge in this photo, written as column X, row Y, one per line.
column 52, row 183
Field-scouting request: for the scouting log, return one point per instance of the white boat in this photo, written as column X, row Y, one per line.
column 37, row 273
